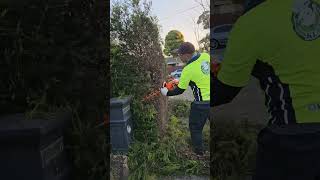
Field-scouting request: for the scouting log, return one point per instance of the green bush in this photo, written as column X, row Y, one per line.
column 54, row 57
column 137, row 64
column 233, row 148
column 165, row 156
column 137, row 68
column 88, row 149
column 179, row 108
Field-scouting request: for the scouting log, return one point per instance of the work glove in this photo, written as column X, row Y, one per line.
column 164, row 90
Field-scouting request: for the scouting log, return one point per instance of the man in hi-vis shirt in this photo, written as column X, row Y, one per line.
column 195, row 74
column 278, row 42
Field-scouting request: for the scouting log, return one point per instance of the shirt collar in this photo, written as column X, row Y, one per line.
column 194, row 57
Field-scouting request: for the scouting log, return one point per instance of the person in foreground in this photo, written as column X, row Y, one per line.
column 278, row 42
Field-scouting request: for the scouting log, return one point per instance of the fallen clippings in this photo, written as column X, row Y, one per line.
column 119, row 167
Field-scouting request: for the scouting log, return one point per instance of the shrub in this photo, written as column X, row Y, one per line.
column 233, row 148
column 167, row 155
column 179, row 108
column 137, row 64
column 52, row 52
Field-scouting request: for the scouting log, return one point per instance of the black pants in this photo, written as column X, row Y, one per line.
column 199, row 114
column 291, row 153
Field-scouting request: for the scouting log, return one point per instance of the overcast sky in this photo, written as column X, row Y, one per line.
column 179, row 15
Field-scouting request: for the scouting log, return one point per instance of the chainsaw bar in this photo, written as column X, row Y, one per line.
column 151, row 95
column 170, row 85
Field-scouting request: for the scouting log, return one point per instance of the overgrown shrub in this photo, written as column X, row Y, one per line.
column 167, row 156
column 52, row 51
column 137, row 64
column 170, row 154
column 233, row 148
column 179, row 108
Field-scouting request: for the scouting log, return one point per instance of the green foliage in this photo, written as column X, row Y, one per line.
column 165, row 155
column 233, row 148
column 137, row 67
column 42, row 53
column 145, row 125
column 52, row 51
column 179, row 108
column 88, row 148
column 137, row 64
column 172, row 41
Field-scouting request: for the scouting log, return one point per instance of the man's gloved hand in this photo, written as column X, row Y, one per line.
column 164, row 90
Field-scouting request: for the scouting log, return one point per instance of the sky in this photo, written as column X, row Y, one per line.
column 180, row 15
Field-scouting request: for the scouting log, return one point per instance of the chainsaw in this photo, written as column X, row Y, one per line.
column 170, row 85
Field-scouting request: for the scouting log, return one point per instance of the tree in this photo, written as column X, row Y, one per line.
column 172, row 41
column 204, row 20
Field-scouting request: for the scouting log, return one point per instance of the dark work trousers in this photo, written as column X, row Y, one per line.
column 290, row 152
column 199, row 114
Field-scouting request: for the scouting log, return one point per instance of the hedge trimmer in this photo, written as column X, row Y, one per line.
column 170, row 85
